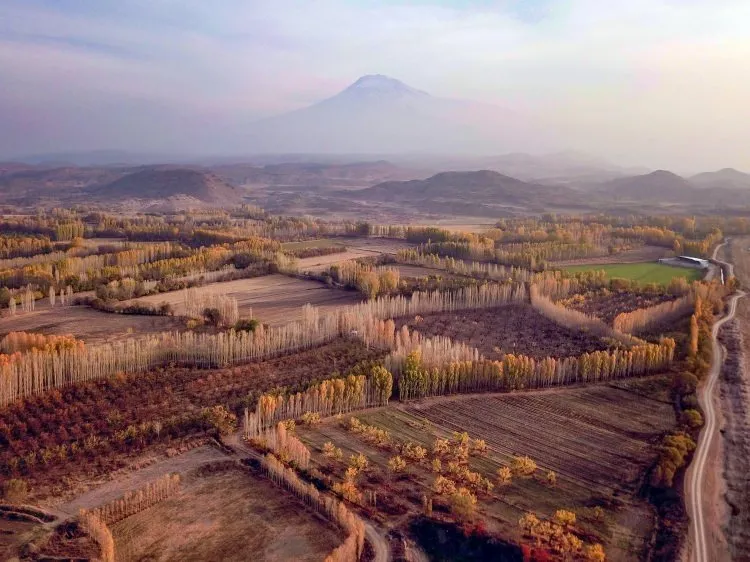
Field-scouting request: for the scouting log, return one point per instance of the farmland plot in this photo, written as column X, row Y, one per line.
column 92, row 326
column 599, row 441
column 509, row 329
column 226, row 515
column 273, row 299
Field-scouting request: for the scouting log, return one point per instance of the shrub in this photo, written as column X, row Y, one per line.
column 396, row 464
column 692, row 418
column 523, row 466
column 15, row 490
column 221, row 419
column 246, row 325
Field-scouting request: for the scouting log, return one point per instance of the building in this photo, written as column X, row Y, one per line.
column 686, row 261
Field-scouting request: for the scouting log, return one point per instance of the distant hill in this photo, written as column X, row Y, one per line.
column 658, row 186
column 482, row 190
column 314, row 175
column 728, row 178
column 164, row 183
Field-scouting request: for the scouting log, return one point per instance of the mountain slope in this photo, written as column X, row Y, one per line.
column 380, row 115
column 479, row 191
column 657, row 186
column 726, row 178
column 165, row 183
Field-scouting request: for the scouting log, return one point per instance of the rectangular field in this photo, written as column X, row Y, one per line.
column 92, row 326
column 226, row 515
column 273, row 299
column 643, row 273
column 515, row 329
column 599, row 440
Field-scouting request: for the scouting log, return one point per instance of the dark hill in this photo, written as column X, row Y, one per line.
column 726, row 178
column 481, row 189
column 656, row 186
column 163, row 183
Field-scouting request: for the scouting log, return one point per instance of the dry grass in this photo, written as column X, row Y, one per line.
column 226, row 515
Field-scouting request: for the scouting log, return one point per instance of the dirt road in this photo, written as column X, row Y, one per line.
column 694, row 485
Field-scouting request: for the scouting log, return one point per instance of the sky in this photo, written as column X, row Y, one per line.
column 657, row 83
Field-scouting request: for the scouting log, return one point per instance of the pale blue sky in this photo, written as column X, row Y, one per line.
column 663, row 83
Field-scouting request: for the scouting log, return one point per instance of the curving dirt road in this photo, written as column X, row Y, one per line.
column 694, row 481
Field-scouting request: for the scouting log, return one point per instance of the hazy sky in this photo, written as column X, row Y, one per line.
column 663, row 83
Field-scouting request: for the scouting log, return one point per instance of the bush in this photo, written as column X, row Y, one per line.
column 221, row 419
column 15, row 490
column 212, row 316
column 692, row 418
column 246, row 325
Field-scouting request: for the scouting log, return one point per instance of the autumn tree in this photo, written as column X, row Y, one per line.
column 504, row 475
column 463, row 504
column 523, row 466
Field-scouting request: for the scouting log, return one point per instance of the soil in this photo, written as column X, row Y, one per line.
column 226, row 515
column 87, row 324
column 272, row 299
column 517, row 329
column 600, row 441
column 607, row 306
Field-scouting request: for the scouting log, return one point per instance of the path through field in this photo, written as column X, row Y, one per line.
column 695, row 479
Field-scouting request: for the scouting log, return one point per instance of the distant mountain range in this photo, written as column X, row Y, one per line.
column 312, row 187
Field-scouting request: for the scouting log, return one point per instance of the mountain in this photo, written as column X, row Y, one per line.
column 726, row 178
column 193, row 185
column 381, row 115
column 482, row 192
column 658, row 186
column 310, row 175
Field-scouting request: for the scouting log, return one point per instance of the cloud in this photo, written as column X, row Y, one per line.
column 660, row 82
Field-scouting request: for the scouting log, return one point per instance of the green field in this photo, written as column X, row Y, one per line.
column 643, row 273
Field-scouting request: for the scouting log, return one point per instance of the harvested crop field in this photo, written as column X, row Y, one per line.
column 600, row 441
column 515, row 329
column 643, row 273
column 607, row 305
column 230, row 514
column 92, row 326
column 272, row 299
column 355, row 248
column 600, row 437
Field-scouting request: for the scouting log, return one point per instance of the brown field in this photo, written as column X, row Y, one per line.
column 92, row 326
column 356, row 248
column 273, row 299
column 229, row 514
column 607, row 306
column 509, row 329
column 599, row 440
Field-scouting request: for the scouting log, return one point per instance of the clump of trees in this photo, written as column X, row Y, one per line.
column 673, row 454
column 138, row 500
